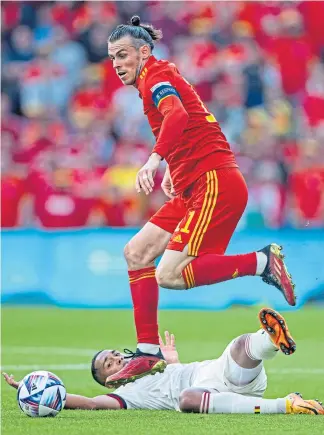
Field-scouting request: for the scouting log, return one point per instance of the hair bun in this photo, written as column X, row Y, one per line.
column 135, row 20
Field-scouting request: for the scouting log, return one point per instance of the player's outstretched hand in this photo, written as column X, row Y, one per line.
column 10, row 380
column 168, row 348
column 145, row 176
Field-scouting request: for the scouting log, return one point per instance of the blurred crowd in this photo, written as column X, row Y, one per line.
column 73, row 137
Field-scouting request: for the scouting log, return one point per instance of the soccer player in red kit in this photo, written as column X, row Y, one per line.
column 207, row 195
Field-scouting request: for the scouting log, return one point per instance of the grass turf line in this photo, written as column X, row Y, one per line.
column 200, row 335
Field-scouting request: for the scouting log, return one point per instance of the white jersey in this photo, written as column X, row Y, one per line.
column 162, row 390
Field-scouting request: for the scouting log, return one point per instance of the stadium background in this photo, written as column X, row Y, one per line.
column 72, row 139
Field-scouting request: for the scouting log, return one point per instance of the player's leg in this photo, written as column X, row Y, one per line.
column 244, row 375
column 243, row 366
column 140, row 253
column 209, row 402
column 215, row 206
column 195, row 253
column 244, row 359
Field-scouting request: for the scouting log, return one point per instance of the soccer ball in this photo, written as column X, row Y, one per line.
column 41, row 394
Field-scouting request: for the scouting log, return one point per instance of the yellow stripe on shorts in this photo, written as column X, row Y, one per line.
column 191, row 274
column 205, row 214
column 187, row 277
column 210, row 213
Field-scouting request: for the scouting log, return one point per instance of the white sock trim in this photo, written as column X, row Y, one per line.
column 262, row 261
column 148, row 348
column 204, row 404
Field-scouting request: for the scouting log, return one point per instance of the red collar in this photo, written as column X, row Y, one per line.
column 144, row 70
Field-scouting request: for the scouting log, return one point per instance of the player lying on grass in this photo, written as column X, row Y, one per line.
column 233, row 383
column 207, row 196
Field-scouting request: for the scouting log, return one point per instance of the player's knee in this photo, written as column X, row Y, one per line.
column 130, row 254
column 136, row 256
column 240, row 354
column 164, row 277
column 238, row 347
column 189, row 401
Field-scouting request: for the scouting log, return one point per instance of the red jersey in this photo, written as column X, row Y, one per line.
column 192, row 145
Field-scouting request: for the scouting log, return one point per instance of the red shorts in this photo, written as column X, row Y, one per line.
column 205, row 216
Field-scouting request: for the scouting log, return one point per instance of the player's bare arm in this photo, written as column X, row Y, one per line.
column 75, row 401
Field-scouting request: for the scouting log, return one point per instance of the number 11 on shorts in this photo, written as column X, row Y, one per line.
column 185, row 229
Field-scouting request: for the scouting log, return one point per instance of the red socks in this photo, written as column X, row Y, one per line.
column 145, row 295
column 204, row 270
column 212, row 268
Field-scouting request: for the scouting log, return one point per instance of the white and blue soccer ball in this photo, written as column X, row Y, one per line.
column 41, row 394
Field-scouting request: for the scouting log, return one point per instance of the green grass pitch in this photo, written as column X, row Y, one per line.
column 63, row 341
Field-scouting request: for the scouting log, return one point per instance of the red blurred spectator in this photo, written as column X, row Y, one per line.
column 11, row 14
column 313, row 13
column 253, row 17
column 314, row 109
column 64, row 14
column 112, row 207
column 307, row 190
column 89, row 102
column 54, row 204
column 306, row 185
column 37, row 136
column 94, row 12
column 292, row 52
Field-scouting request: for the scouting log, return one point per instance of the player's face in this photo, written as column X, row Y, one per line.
column 127, row 59
column 109, row 362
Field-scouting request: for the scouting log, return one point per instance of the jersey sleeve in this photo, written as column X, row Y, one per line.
column 161, row 86
column 129, row 396
column 120, row 400
column 162, row 90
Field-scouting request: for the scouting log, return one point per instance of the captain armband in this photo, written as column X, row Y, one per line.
column 162, row 90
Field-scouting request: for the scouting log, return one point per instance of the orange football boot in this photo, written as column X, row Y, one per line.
column 275, row 325
column 295, row 404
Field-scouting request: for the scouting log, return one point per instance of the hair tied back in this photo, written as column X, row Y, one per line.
column 135, row 20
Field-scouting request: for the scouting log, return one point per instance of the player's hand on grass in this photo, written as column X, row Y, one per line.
column 167, row 185
column 10, row 380
column 168, row 348
column 145, row 176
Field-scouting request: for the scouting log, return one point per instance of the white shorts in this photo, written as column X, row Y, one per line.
column 212, row 375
